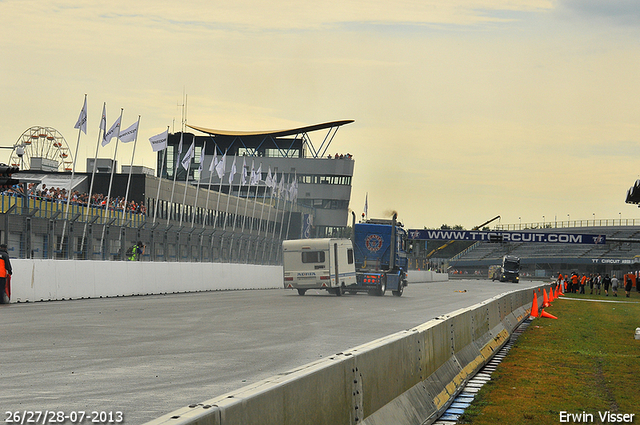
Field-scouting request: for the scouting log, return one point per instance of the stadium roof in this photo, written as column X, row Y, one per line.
column 272, row 133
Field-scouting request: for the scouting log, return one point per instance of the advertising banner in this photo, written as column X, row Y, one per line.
column 506, row 236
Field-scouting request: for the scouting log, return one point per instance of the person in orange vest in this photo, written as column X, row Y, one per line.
column 574, row 282
column 5, row 275
column 583, row 283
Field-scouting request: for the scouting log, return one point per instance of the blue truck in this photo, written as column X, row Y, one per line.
column 380, row 250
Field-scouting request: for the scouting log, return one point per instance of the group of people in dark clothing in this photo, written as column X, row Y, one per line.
column 576, row 283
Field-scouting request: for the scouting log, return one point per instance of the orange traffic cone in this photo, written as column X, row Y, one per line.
column 551, row 297
column 547, row 315
column 545, row 299
column 534, row 305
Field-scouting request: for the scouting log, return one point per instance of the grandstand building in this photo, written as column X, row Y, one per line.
column 323, row 179
column 620, row 255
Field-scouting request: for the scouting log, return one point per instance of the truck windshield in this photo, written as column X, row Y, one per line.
column 511, row 265
column 313, row 257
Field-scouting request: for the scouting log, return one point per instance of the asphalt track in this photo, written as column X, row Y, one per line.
column 146, row 356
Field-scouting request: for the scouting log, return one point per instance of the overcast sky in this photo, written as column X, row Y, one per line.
column 463, row 109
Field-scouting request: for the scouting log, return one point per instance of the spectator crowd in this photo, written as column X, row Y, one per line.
column 56, row 194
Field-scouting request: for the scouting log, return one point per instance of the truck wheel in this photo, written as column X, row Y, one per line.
column 339, row 291
column 301, row 291
column 400, row 290
column 383, row 287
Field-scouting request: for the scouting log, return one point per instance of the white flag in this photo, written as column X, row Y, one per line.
column 281, row 186
column 232, row 173
column 269, row 180
column 214, row 161
column 159, row 141
column 366, row 203
column 252, row 177
column 220, row 167
column 243, row 175
column 258, row 176
column 187, row 156
column 103, row 120
column 293, row 189
column 129, row 135
column 179, row 151
column 112, row 131
column 201, row 159
column 82, row 119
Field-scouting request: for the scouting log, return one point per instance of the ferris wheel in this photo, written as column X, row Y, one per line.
column 42, row 148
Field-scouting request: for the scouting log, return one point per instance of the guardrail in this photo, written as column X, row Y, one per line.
column 409, row 377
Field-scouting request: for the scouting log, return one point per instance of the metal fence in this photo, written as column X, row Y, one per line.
column 34, row 228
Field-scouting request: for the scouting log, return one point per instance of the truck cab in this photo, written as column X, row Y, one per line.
column 510, row 270
column 380, row 248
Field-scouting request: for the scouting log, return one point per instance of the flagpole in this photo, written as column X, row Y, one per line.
column 212, row 167
column 246, row 203
column 224, row 165
column 126, row 194
column 175, row 174
column 291, row 189
column 164, row 159
column 226, row 211
column 272, row 186
column 113, row 166
column 254, row 175
column 264, row 200
column 273, row 236
column 235, row 218
column 283, row 210
column 186, row 180
column 93, row 172
column 73, row 172
column 195, row 203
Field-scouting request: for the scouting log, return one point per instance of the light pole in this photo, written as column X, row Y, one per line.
column 520, row 225
column 568, row 220
column 543, row 222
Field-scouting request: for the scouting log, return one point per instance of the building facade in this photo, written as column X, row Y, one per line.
column 322, row 180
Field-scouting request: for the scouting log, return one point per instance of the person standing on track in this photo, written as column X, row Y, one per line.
column 5, row 275
column 614, row 285
column 574, row 282
column 628, row 284
column 606, row 282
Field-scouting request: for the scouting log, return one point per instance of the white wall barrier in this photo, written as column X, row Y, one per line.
column 40, row 280
column 406, row 378
column 45, row 280
column 416, row 276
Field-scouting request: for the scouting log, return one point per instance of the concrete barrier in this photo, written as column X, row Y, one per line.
column 48, row 280
column 409, row 377
column 417, row 276
column 42, row 280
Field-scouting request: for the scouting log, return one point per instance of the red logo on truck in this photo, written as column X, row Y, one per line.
column 373, row 243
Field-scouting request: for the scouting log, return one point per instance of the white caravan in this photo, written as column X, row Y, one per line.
column 318, row 264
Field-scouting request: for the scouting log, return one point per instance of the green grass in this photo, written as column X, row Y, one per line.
column 586, row 361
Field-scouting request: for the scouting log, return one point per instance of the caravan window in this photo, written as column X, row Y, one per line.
column 349, row 256
column 313, row 257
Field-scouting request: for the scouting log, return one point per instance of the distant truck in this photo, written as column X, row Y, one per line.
column 318, row 264
column 380, row 256
column 509, row 271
